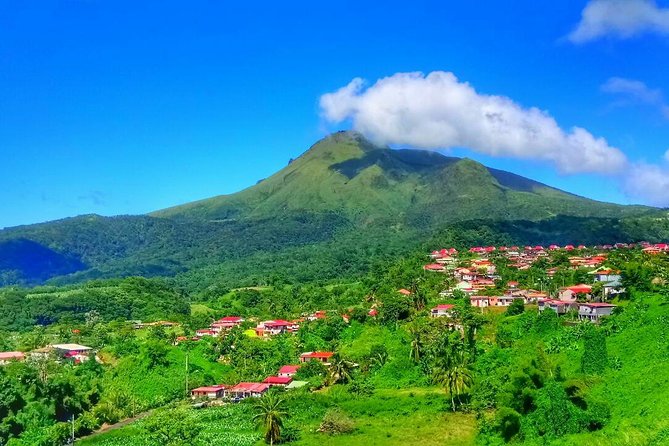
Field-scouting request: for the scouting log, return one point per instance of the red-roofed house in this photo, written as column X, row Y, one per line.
column 569, row 294
column 246, row 390
column 442, row 310
column 7, row 357
column 436, row 267
column 288, row 370
column 404, row 292
column 278, row 380
column 226, row 323
column 273, row 328
column 323, row 357
column 211, row 392
column 205, row 332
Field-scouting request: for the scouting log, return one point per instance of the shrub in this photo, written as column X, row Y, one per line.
column 336, row 422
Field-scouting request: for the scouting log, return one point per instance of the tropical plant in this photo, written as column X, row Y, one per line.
column 270, row 413
column 340, row 370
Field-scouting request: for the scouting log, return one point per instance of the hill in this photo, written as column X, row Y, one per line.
column 329, row 213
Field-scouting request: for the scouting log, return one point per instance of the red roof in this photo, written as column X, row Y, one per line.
column 280, row 380
column 434, row 267
column 317, row 355
column 231, row 319
column 249, row 387
column 209, row 389
column 288, row 369
column 278, row 323
column 582, row 288
column 443, row 307
column 404, row 291
column 373, row 312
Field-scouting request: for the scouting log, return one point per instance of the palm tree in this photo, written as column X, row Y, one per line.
column 416, row 342
column 418, row 295
column 270, row 411
column 340, row 370
column 456, row 376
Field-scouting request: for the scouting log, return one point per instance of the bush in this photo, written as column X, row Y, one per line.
column 517, row 307
column 336, row 422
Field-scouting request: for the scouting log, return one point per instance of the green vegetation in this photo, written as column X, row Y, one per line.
column 339, row 208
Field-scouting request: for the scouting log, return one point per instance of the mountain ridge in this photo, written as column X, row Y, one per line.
column 342, row 194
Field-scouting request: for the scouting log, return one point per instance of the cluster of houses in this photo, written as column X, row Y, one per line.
column 474, row 276
column 283, row 378
column 74, row 353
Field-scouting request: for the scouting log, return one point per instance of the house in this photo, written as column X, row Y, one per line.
column 226, row 323
column 7, row 357
column 480, row 301
column 323, row 357
column 278, row 380
column 404, row 292
column 442, row 310
column 570, row 294
column 205, row 332
column 78, row 353
column 436, row 267
column 320, row 314
column 606, row 275
column 211, row 392
column 594, row 311
column 247, row 390
column 613, row 288
column 277, row 327
column 288, row 370
column 559, row 306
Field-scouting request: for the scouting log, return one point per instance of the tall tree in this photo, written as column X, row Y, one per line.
column 270, row 412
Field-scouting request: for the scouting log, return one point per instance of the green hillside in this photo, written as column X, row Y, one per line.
column 331, row 212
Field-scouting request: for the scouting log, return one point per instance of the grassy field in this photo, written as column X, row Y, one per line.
column 406, row 417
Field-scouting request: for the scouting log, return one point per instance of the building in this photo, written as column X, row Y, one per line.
column 211, row 392
column 247, row 390
column 278, row 380
column 570, row 293
column 594, row 311
column 226, row 323
column 559, row 306
column 7, row 357
column 443, row 310
column 277, row 327
column 288, row 370
column 323, row 357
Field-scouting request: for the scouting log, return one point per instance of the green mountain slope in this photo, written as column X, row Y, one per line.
column 330, row 213
column 347, row 174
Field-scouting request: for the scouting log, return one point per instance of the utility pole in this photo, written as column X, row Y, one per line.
column 187, row 352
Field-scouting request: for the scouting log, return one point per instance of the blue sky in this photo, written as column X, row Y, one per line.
column 128, row 107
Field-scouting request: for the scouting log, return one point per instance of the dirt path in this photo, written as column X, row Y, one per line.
column 120, row 424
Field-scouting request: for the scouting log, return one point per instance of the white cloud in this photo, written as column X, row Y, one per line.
column 649, row 183
column 633, row 89
column 438, row 111
column 666, row 156
column 620, row 18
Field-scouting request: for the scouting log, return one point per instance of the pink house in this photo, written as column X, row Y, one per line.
column 246, row 390
column 288, row 371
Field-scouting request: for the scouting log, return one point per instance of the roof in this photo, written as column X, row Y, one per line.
column 70, row 347
column 249, row 387
column 208, row 389
column 278, row 380
column 317, row 355
column 231, row 319
column 443, row 307
column 12, row 355
column 278, row 323
column 582, row 288
column 404, row 291
column 289, row 369
column 597, row 305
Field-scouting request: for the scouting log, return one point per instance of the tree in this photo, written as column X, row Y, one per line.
column 517, row 307
column 340, row 370
column 455, row 375
column 171, row 428
column 270, row 412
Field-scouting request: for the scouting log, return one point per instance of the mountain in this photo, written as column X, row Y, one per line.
column 331, row 212
column 346, row 174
